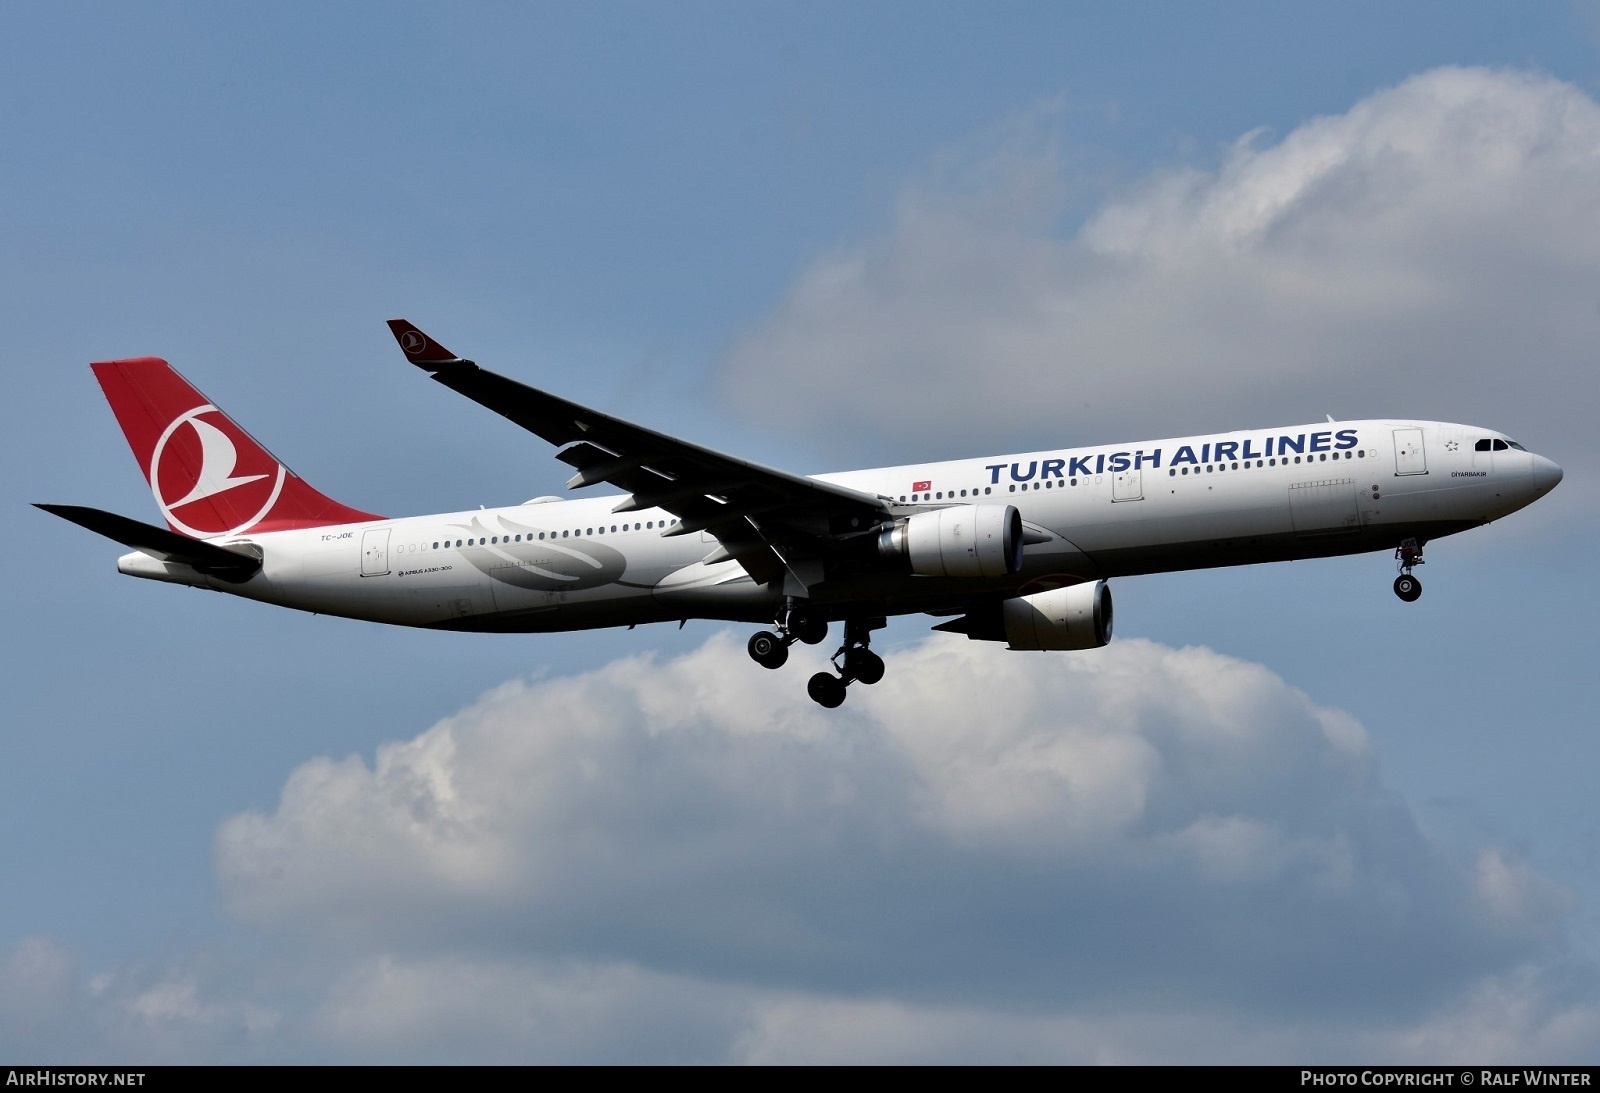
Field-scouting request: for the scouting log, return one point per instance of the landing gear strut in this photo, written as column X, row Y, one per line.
column 860, row 664
column 855, row 662
column 795, row 623
column 1408, row 554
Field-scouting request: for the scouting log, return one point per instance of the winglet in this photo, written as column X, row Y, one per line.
column 420, row 349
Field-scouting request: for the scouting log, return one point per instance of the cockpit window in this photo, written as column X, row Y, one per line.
column 1482, row 445
column 1517, row 446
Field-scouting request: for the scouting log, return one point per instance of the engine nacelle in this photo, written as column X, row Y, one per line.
column 959, row 541
column 1076, row 617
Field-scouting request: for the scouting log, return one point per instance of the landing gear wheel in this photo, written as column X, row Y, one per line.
column 807, row 628
column 826, row 689
column 863, row 666
column 1407, row 587
column 768, row 649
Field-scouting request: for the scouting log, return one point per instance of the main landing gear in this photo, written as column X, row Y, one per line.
column 1406, row 586
column 855, row 662
column 771, row 650
column 861, row 664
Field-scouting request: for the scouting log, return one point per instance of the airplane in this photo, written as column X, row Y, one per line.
column 1012, row 548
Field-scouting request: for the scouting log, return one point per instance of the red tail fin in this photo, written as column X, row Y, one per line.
column 209, row 476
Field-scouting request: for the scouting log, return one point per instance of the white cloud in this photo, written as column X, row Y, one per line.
column 986, row 839
column 1519, row 1018
column 1433, row 252
column 466, row 1009
column 1135, row 854
column 36, row 980
column 190, row 1008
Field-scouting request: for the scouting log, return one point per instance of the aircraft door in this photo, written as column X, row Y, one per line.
column 1127, row 486
column 1409, row 457
column 375, row 552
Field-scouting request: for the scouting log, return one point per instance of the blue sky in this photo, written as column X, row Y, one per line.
column 1332, row 827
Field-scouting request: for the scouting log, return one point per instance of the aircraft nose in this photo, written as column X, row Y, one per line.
column 1546, row 475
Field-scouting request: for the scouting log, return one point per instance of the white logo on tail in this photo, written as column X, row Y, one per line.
column 412, row 342
column 218, row 459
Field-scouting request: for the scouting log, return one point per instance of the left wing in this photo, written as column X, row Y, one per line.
column 771, row 522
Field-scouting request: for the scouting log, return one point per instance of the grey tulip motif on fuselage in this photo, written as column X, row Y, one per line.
column 551, row 564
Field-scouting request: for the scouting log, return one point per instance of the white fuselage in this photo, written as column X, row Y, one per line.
column 1089, row 513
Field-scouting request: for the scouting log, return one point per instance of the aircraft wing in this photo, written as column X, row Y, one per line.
column 768, row 520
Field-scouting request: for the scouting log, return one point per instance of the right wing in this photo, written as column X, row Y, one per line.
column 769, row 521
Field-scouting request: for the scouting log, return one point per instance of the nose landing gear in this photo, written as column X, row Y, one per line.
column 1406, row 586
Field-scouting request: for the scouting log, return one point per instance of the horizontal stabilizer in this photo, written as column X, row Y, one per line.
column 167, row 546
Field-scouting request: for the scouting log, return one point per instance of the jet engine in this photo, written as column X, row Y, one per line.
column 959, row 541
column 1076, row 617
